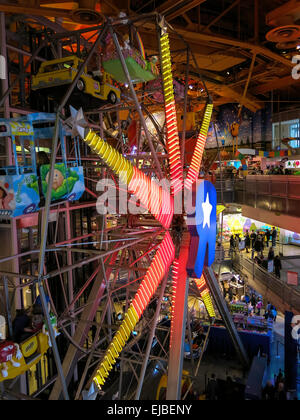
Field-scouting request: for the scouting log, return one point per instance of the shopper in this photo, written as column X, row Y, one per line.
column 277, row 266
column 247, row 241
column 274, row 313
column 280, row 394
column 268, row 237
column 253, row 300
column 274, row 237
column 259, row 306
column 253, row 238
column 279, row 378
column 258, row 245
column 232, row 243
column 268, row 392
column 212, row 388
column 20, row 323
column 271, row 254
column 237, row 241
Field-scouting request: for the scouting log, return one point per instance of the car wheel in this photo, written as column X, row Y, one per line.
column 112, row 97
column 80, row 85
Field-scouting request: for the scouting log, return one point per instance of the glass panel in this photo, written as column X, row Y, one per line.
column 57, row 66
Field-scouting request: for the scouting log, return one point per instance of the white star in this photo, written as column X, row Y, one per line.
column 207, row 209
column 77, row 122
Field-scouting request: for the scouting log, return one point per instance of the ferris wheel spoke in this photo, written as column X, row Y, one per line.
column 156, row 199
column 176, row 168
column 194, row 169
column 158, row 268
column 179, row 278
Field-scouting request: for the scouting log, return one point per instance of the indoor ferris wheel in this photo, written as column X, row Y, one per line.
column 146, row 265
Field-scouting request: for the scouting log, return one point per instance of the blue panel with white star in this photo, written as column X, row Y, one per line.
column 202, row 225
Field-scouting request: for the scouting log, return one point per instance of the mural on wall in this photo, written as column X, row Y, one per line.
column 255, row 128
column 65, row 181
column 6, row 196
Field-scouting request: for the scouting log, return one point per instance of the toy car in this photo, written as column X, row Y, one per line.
column 54, row 75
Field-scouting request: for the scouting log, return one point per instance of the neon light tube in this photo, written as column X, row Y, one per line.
column 158, row 268
column 205, row 295
column 152, row 196
column 176, row 169
column 194, row 169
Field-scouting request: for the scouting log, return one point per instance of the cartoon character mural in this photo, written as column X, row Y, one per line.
column 24, row 185
column 9, row 351
column 6, row 197
column 64, row 181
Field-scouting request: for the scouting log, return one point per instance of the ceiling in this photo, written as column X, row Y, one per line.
column 227, row 39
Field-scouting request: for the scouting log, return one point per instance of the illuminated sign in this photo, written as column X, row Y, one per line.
column 292, row 164
column 203, row 228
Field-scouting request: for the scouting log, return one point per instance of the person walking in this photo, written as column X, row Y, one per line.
column 277, row 266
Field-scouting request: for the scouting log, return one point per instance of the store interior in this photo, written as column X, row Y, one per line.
column 149, row 200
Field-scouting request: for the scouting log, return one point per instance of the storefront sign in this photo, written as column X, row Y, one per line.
column 292, row 164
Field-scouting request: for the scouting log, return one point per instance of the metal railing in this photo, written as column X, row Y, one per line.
column 289, row 295
column 276, row 193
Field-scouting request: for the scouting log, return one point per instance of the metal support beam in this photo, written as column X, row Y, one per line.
column 44, row 234
column 7, row 307
column 184, row 9
column 178, row 324
column 216, row 20
column 82, row 329
column 215, row 290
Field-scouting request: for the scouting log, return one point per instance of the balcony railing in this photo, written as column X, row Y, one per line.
column 289, row 295
column 276, row 193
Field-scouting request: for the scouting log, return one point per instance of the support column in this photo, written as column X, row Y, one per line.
column 178, row 324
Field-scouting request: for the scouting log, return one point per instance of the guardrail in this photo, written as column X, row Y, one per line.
column 226, row 190
column 276, row 193
column 289, row 295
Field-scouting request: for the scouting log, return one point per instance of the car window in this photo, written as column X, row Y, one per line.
column 57, row 66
